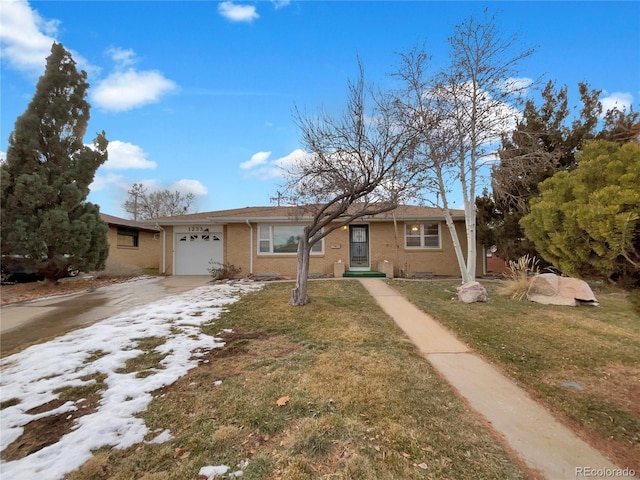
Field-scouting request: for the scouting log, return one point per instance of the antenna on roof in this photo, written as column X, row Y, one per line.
column 277, row 199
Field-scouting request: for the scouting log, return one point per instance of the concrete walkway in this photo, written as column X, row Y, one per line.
column 543, row 443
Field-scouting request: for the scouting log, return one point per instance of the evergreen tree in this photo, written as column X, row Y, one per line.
column 587, row 221
column 46, row 176
column 544, row 142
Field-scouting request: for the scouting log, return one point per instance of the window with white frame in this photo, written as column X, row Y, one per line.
column 422, row 235
column 283, row 239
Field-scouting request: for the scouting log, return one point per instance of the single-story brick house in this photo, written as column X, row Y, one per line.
column 261, row 241
column 132, row 244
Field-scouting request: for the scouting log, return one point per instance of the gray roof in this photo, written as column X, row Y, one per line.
column 123, row 222
column 290, row 213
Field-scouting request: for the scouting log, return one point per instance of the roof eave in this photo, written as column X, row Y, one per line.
column 226, row 220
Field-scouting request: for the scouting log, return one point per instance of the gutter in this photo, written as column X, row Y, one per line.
column 164, row 249
column 250, row 248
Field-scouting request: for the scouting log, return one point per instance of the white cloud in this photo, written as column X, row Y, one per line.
column 292, row 159
column 259, row 158
column 190, row 186
column 26, row 39
column 125, row 156
column 118, row 185
column 619, row 100
column 3, row 157
column 517, row 85
column 121, row 56
column 280, row 3
column 25, row 36
column 125, row 90
column 109, row 182
column 238, row 13
column 277, row 168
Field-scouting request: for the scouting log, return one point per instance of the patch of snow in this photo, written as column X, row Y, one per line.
column 32, row 376
column 163, row 437
column 211, row 471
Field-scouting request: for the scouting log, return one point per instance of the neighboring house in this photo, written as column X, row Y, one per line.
column 411, row 241
column 494, row 264
column 132, row 244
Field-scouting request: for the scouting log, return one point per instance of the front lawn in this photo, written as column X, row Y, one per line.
column 582, row 362
column 331, row 390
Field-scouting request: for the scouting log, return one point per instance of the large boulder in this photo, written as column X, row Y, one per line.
column 471, row 292
column 550, row 289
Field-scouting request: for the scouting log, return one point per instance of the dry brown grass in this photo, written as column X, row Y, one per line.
column 550, row 349
column 363, row 404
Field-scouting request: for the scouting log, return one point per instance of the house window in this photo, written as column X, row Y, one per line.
column 127, row 238
column 422, row 235
column 283, row 239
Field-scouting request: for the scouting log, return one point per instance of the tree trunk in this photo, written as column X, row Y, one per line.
column 54, row 269
column 299, row 293
column 457, row 247
column 464, row 271
column 470, row 226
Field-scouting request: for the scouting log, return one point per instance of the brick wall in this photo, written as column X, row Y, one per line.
column 385, row 244
column 145, row 255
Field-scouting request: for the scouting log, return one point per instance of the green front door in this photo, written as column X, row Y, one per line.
column 359, row 246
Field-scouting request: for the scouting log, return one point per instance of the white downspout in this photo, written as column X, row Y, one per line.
column 250, row 248
column 164, row 249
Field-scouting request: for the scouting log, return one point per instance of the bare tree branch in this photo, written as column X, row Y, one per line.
column 360, row 164
column 145, row 205
column 459, row 115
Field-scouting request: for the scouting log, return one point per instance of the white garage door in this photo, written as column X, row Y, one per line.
column 194, row 251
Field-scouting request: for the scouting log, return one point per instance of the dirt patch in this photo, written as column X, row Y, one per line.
column 23, row 292
column 231, row 360
column 48, row 430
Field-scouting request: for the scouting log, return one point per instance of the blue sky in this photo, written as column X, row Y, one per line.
column 198, row 95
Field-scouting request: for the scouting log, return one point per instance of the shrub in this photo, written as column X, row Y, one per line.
column 223, row 271
column 518, row 279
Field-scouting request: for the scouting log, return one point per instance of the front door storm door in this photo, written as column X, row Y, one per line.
column 359, row 246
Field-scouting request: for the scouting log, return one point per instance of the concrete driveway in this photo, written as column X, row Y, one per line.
column 38, row 320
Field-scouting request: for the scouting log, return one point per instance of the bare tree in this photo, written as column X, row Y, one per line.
column 145, row 205
column 460, row 115
column 359, row 164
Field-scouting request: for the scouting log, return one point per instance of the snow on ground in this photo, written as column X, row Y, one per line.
column 32, row 375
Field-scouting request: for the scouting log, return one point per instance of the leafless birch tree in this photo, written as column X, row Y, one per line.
column 459, row 115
